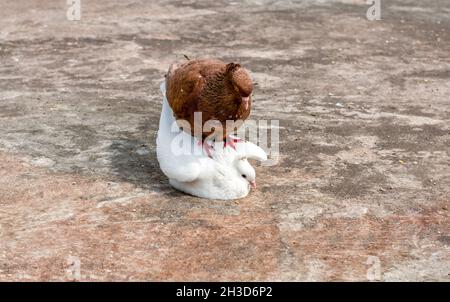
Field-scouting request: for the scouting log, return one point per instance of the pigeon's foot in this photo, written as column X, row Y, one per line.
column 206, row 147
column 231, row 141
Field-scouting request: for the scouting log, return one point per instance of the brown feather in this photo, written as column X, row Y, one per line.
column 209, row 86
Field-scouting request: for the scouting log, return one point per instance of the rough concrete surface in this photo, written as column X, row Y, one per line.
column 362, row 187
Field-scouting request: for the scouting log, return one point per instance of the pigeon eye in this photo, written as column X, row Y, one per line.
column 243, row 175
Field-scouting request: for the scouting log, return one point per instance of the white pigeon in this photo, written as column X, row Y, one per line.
column 227, row 175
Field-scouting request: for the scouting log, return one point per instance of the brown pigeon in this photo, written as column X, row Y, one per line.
column 218, row 90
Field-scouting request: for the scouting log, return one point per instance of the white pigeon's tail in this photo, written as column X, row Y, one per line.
column 251, row 151
column 166, row 120
column 180, row 164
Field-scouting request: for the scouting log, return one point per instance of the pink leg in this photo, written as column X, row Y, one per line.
column 231, row 141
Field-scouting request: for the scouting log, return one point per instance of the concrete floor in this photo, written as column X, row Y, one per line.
column 362, row 188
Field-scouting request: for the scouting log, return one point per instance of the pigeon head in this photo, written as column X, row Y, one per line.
column 242, row 83
column 246, row 171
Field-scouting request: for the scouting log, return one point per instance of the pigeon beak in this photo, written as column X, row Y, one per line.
column 253, row 185
column 246, row 101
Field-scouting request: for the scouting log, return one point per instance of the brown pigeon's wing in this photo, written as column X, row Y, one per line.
column 184, row 86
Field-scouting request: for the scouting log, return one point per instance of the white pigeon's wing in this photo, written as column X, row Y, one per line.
column 252, row 151
column 185, row 169
column 187, row 172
